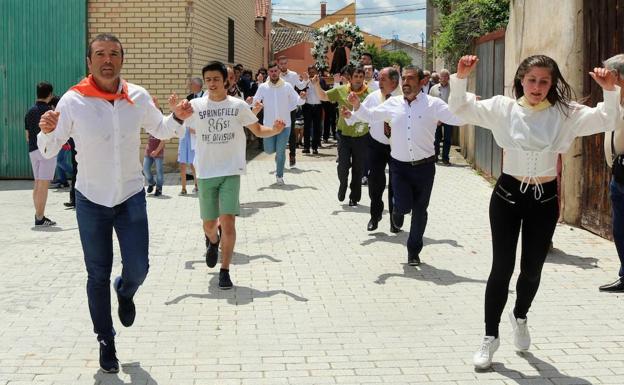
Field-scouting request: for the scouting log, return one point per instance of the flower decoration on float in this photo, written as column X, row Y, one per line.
column 342, row 32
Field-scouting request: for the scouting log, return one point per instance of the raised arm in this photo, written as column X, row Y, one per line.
column 316, row 83
column 604, row 117
column 366, row 114
column 56, row 128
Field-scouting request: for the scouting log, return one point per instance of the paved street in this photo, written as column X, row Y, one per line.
column 317, row 299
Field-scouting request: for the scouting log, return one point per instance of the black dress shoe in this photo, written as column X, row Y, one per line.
column 69, row 204
column 394, row 229
column 413, row 260
column 372, row 224
column 615, row 287
column 397, row 220
column 352, row 203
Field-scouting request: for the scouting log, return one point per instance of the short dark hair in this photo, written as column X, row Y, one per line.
column 393, row 74
column 358, row 69
column 418, row 70
column 216, row 66
column 247, row 72
column 44, row 89
column 261, row 70
column 272, row 64
column 346, row 70
column 367, row 54
column 104, row 37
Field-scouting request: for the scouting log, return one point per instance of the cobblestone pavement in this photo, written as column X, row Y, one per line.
column 317, row 298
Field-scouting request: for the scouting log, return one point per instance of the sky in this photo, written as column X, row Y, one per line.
column 407, row 25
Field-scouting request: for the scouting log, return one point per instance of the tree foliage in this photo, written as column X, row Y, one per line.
column 462, row 21
column 383, row 58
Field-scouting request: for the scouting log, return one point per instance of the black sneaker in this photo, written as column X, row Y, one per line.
column 44, row 222
column 225, row 283
column 126, row 309
column 315, row 151
column 70, row 204
column 150, row 188
column 293, row 161
column 413, row 260
column 158, row 192
column 108, row 359
column 305, row 151
column 212, row 252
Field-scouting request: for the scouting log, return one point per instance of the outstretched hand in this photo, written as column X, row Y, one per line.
column 605, row 78
column 279, row 125
column 345, row 112
column 466, row 65
column 182, row 110
column 354, row 100
column 257, row 107
column 48, row 121
column 172, row 101
column 315, row 79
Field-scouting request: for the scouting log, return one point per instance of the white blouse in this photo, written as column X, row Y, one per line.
column 531, row 138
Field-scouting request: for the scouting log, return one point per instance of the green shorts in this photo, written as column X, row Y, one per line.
column 218, row 196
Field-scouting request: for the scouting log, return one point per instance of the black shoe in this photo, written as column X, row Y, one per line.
column 342, row 192
column 212, row 252
column 394, row 229
column 352, row 203
column 372, row 224
column 158, row 192
column 446, row 162
column 44, row 222
column 413, row 260
column 70, row 204
column 293, row 161
column 615, row 287
column 225, row 283
column 315, row 151
column 364, row 181
column 397, row 220
column 150, row 188
column 306, row 151
column 108, row 358
column 126, row 309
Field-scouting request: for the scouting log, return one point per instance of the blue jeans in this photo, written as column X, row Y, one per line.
column 147, row 171
column 617, row 203
column 96, row 224
column 62, row 166
column 277, row 144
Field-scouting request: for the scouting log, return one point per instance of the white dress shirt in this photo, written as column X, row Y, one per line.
column 311, row 95
column 278, row 102
column 376, row 128
column 373, row 85
column 292, row 78
column 413, row 124
column 108, row 138
column 532, row 138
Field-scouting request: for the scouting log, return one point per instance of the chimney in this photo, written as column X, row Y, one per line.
column 323, row 9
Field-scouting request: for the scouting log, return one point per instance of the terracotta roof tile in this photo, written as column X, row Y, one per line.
column 262, row 8
column 286, row 37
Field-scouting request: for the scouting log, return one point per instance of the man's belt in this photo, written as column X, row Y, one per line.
column 430, row 159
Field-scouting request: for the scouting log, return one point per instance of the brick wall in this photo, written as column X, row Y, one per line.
column 167, row 41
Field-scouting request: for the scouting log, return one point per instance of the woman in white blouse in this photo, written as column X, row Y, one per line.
column 541, row 122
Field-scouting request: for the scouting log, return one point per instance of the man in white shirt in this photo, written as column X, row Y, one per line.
column 442, row 90
column 292, row 78
column 426, row 83
column 412, row 118
column 279, row 99
column 614, row 146
column 312, row 114
column 379, row 150
column 104, row 115
column 220, row 161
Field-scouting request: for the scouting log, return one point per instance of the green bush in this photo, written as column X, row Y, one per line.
column 462, row 21
column 383, row 58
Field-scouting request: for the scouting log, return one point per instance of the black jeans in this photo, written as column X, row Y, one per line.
column 312, row 125
column 510, row 211
column 412, row 191
column 292, row 139
column 378, row 158
column 445, row 130
column 351, row 155
column 329, row 123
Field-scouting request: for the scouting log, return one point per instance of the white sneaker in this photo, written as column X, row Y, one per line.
column 482, row 358
column 522, row 338
column 279, row 180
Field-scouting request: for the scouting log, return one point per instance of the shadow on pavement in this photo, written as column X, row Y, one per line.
column 286, row 187
column 295, row 170
column 401, row 238
column 237, row 259
column 238, row 295
column 429, row 273
column 250, row 208
column 138, row 376
column 561, row 258
column 51, row 229
column 360, row 208
column 547, row 373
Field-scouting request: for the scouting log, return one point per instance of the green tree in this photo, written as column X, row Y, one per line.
column 383, row 58
column 463, row 21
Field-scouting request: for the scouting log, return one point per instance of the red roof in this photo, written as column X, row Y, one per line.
column 262, row 8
